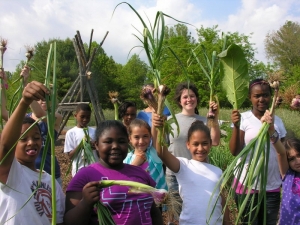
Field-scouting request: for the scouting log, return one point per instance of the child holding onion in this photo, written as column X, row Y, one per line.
column 197, row 178
column 85, row 189
column 245, row 127
column 75, row 135
column 289, row 165
column 18, row 175
column 143, row 154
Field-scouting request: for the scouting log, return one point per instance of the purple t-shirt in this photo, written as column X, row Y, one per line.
column 126, row 208
column 290, row 203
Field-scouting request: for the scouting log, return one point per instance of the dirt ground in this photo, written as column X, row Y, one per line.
column 64, row 165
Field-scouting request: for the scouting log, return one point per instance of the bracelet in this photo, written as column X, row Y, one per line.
column 276, row 136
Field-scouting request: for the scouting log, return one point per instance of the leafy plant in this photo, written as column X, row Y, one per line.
column 234, row 70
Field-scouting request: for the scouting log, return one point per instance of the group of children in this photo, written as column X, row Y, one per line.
column 128, row 150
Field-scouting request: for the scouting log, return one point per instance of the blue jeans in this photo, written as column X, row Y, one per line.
column 272, row 209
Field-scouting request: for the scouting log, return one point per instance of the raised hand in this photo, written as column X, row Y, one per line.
column 34, row 91
column 236, row 118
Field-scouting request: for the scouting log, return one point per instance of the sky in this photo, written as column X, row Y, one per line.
column 26, row 22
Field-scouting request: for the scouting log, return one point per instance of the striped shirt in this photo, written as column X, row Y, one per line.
column 153, row 165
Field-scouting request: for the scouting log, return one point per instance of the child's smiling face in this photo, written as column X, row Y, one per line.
column 112, row 146
column 294, row 160
column 199, row 145
column 140, row 138
column 28, row 147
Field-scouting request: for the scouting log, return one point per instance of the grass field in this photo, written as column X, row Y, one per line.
column 291, row 119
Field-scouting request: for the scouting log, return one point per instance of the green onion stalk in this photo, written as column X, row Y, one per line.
column 254, row 174
column 157, row 103
column 84, row 149
column 18, row 93
column 152, row 42
column 212, row 73
column 51, row 103
column 113, row 95
column 3, row 48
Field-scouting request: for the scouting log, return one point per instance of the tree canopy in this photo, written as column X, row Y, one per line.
column 283, row 47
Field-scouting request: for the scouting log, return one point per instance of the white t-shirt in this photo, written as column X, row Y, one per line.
column 251, row 125
column 21, row 183
column 73, row 138
column 197, row 181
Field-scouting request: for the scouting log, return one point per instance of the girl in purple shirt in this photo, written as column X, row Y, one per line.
column 84, row 189
column 289, row 166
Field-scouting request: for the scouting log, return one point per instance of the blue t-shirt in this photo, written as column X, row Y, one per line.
column 47, row 167
column 147, row 116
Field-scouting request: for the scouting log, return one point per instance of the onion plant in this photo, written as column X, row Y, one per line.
column 113, row 97
column 84, row 150
column 51, row 104
column 151, row 40
column 212, row 71
column 18, row 93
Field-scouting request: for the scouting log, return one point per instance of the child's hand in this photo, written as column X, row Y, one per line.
column 25, row 73
column 236, row 118
column 90, row 193
column 34, row 91
column 268, row 118
column 157, row 121
column 214, row 106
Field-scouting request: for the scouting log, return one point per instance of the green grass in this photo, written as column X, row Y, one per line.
column 291, row 119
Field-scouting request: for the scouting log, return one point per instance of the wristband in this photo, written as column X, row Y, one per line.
column 275, row 137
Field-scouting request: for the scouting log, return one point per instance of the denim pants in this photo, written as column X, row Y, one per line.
column 272, row 209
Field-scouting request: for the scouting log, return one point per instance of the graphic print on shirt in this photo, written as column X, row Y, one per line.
column 42, row 198
column 296, row 186
column 108, row 195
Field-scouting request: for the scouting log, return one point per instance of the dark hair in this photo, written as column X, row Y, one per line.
column 123, row 108
column 178, row 92
column 292, row 143
column 138, row 123
column 260, row 82
column 198, row 126
column 29, row 120
column 108, row 124
column 83, row 107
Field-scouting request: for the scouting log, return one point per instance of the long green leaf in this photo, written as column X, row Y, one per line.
column 234, row 70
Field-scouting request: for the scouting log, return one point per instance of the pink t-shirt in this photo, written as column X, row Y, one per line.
column 126, row 208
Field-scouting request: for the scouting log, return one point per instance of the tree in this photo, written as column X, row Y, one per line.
column 131, row 79
column 283, row 45
column 66, row 67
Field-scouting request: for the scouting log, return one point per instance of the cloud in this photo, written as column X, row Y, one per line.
column 259, row 18
column 27, row 22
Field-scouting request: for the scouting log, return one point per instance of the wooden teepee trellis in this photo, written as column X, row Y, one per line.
column 84, row 82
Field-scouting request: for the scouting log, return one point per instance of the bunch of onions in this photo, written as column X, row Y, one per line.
column 84, row 149
column 104, row 215
column 113, row 97
column 155, row 99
